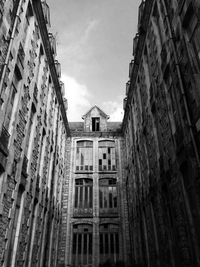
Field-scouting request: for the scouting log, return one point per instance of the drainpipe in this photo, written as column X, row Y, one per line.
column 181, row 85
column 10, row 45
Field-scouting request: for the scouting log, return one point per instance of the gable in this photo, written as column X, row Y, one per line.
column 95, row 112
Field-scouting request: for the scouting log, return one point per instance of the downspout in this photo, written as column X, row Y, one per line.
column 10, row 45
column 181, row 85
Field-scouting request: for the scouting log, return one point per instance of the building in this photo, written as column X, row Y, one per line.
column 161, row 130
column 33, row 134
column 94, row 225
column 99, row 193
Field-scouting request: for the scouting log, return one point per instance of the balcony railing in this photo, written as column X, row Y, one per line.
column 127, row 87
column 135, row 43
column 124, row 103
column 58, row 68
column 62, row 88
column 107, row 168
column 52, row 40
column 4, row 139
column 108, row 212
column 84, row 168
column 83, row 212
column 131, row 68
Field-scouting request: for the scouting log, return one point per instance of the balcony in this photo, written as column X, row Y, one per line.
column 65, row 104
column 135, row 43
column 84, row 168
column 108, row 212
column 62, row 88
column 52, row 40
column 124, row 103
column 131, row 64
column 83, row 212
column 58, row 68
column 103, row 168
column 127, row 87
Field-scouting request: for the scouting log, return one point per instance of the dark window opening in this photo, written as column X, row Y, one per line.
column 95, row 124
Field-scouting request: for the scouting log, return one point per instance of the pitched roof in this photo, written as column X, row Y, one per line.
column 100, row 111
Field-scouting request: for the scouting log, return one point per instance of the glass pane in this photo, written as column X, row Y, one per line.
column 85, row 244
column 81, row 197
column 112, row 243
column 110, row 197
column 100, row 198
column 79, row 243
column 86, row 197
column 90, row 243
column 91, row 196
column 101, row 244
column 117, row 243
column 76, row 197
column 105, row 197
column 106, row 244
column 74, row 244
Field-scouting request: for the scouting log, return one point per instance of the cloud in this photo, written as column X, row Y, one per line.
column 78, row 98
column 114, row 110
column 76, row 47
column 91, row 26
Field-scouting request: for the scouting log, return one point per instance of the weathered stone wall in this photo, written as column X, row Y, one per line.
column 33, row 133
column 161, row 128
column 69, row 218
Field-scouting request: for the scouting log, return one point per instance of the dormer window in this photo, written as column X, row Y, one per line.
column 95, row 124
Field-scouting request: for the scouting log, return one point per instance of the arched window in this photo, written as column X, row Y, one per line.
column 83, row 197
column 82, row 245
column 109, row 243
column 84, row 156
column 108, row 196
column 107, row 161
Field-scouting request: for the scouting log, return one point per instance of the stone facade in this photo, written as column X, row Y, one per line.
column 95, row 213
column 33, row 134
column 102, row 193
column 161, row 131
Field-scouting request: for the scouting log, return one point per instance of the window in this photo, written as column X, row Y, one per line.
column 108, row 196
column 96, row 124
column 82, row 245
column 84, row 156
column 83, row 196
column 109, row 243
column 12, row 102
column 107, row 161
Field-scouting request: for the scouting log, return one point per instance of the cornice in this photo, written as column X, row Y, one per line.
column 37, row 7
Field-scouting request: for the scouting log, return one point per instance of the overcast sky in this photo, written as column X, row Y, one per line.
column 94, row 47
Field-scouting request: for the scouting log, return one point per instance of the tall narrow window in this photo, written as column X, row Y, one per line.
column 82, row 245
column 109, row 243
column 107, row 196
column 84, row 156
column 83, row 197
column 12, row 102
column 96, row 124
column 107, row 160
